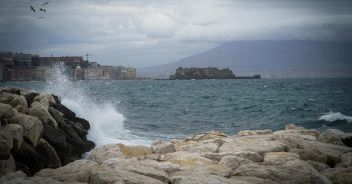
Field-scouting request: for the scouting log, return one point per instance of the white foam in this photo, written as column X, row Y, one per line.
column 335, row 116
column 106, row 122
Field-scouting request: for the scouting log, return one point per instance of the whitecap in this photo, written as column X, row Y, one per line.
column 335, row 116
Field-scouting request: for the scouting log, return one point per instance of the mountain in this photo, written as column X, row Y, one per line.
column 271, row 59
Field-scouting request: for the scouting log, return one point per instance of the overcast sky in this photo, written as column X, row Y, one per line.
column 144, row 33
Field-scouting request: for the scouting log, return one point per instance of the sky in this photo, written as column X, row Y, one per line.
column 142, row 33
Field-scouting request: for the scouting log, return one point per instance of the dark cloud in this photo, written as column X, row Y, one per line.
column 141, row 33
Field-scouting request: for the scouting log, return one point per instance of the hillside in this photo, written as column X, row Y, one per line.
column 272, row 59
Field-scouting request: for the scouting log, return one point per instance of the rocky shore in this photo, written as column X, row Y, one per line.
column 294, row 155
column 38, row 132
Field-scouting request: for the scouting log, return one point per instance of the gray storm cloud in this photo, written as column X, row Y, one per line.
column 143, row 33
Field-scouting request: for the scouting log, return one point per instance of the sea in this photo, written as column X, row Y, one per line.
column 141, row 111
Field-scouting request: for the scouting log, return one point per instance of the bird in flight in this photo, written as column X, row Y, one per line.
column 45, row 3
column 32, row 8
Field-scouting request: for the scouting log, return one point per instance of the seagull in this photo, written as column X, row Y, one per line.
column 32, row 8
column 46, row 3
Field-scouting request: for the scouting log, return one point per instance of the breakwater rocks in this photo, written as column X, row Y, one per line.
column 38, row 132
column 294, row 155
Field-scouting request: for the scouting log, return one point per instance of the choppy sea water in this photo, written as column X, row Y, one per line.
column 138, row 112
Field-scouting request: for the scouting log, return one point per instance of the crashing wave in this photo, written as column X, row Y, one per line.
column 106, row 122
column 335, row 116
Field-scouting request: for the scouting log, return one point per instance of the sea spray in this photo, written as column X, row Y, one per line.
column 106, row 122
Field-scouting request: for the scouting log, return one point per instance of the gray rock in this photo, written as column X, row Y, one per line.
column 279, row 158
column 339, row 175
column 345, row 160
column 295, row 171
column 42, row 113
column 6, row 111
column 16, row 101
column 311, row 154
column 7, row 166
column 4, row 150
column 44, row 100
column 163, row 148
column 16, row 132
column 32, row 126
column 318, row 166
column 6, row 136
column 257, row 144
column 77, row 171
column 335, row 136
column 254, row 132
column 233, row 162
column 105, row 152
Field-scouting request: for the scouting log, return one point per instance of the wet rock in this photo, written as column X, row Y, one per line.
column 16, row 132
column 32, row 126
column 30, row 96
column 7, row 166
column 30, row 157
column 163, row 148
column 64, row 110
column 51, row 159
column 45, row 100
column 83, row 122
column 339, row 175
column 42, row 113
column 77, row 171
column 74, row 139
column 4, row 150
column 105, row 152
column 254, row 132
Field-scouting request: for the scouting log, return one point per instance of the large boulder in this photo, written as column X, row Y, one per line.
column 57, row 138
column 32, row 126
column 45, row 100
column 345, row 160
column 339, row 175
column 7, row 137
column 257, row 144
column 311, row 154
column 64, row 110
column 254, row 132
column 38, row 110
column 233, row 162
column 291, row 172
column 4, row 150
column 336, row 137
column 249, row 155
column 279, row 158
column 16, row 101
column 138, row 167
column 163, row 147
column 30, row 157
column 134, row 151
column 51, row 159
column 105, row 152
column 21, row 178
column 7, row 166
column 6, row 111
column 77, row 171
column 16, row 132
